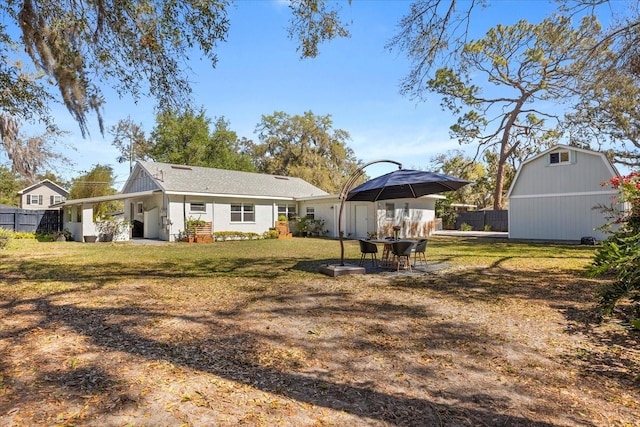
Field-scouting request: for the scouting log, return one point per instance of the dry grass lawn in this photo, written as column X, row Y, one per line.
column 248, row 333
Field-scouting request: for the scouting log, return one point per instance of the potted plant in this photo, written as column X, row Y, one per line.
column 316, row 227
column 302, row 226
column 310, row 226
column 396, row 231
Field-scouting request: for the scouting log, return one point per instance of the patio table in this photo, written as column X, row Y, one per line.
column 386, row 260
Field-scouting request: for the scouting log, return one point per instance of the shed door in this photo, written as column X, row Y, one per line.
column 151, row 226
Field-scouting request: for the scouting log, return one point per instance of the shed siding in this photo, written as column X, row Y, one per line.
column 584, row 175
column 557, row 218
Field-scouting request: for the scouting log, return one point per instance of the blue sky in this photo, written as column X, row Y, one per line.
column 355, row 80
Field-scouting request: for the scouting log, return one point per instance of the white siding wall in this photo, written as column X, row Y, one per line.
column 324, row 209
column 265, row 217
column 218, row 211
column 421, row 212
column 556, row 218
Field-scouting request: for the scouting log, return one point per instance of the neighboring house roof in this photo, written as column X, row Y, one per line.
column 48, row 182
column 195, row 180
column 610, row 167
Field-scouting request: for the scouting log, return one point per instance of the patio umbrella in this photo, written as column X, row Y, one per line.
column 405, row 184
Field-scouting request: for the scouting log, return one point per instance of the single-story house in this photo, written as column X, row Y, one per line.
column 42, row 195
column 159, row 198
column 555, row 195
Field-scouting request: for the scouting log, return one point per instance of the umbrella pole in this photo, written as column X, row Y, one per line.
column 343, row 197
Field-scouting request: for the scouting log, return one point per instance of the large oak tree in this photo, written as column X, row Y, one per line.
column 304, row 146
column 139, row 47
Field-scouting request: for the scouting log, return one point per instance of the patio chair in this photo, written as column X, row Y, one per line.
column 402, row 253
column 367, row 248
column 419, row 252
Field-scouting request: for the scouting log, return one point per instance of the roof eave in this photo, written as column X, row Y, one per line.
column 98, row 199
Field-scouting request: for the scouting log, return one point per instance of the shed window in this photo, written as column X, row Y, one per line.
column 559, row 157
column 242, row 212
column 405, row 211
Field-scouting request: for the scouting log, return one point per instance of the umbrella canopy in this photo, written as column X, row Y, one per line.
column 405, row 184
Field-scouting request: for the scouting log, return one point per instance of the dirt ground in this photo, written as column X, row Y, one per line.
column 452, row 347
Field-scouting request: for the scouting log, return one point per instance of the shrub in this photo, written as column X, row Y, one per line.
column 619, row 254
column 24, row 235
column 112, row 227
column 310, row 225
column 53, row 236
column 465, row 227
column 221, row 236
column 195, row 222
column 5, row 237
column 270, row 234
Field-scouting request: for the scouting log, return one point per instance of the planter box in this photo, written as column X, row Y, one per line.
column 90, row 239
column 282, row 227
column 201, row 233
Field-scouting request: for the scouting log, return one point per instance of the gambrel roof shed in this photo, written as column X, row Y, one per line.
column 555, row 195
column 195, row 180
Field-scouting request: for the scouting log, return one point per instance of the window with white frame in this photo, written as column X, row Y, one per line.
column 242, row 212
column 287, row 210
column 197, row 207
column 311, row 212
column 140, row 208
column 389, row 211
column 56, row 199
column 34, row 199
column 559, row 157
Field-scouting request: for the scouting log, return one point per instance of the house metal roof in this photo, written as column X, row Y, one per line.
column 180, row 179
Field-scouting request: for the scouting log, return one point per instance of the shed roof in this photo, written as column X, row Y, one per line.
column 180, row 179
column 609, row 166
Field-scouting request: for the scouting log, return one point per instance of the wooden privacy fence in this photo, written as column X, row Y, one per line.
column 482, row 220
column 44, row 221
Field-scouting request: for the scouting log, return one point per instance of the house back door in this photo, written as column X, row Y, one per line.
column 361, row 221
column 151, row 226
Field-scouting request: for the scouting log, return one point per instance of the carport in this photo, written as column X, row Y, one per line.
column 78, row 213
